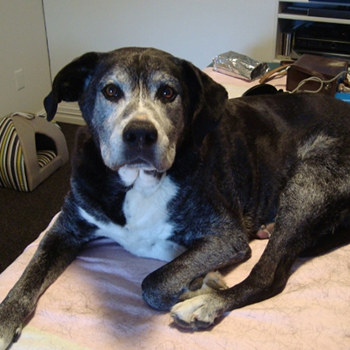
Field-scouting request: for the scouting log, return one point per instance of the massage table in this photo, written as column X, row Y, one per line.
column 97, row 303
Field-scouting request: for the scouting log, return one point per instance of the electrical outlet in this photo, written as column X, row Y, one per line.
column 19, row 79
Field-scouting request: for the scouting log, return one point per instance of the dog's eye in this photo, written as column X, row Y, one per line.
column 167, row 93
column 112, row 92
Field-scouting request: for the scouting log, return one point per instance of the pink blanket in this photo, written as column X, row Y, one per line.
column 97, row 303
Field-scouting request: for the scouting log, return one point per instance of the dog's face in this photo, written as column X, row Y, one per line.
column 139, row 112
column 140, row 104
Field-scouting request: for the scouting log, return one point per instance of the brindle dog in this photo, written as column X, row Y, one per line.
column 171, row 169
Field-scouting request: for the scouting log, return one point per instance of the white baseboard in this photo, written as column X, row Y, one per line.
column 68, row 112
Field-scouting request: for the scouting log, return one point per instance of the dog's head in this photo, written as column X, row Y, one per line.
column 140, row 104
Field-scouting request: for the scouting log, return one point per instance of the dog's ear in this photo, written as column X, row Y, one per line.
column 208, row 100
column 69, row 84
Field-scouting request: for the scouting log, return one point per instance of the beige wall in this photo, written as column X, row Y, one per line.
column 23, row 46
column 193, row 29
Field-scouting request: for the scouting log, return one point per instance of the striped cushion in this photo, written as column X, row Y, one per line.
column 12, row 167
column 45, row 157
column 13, row 172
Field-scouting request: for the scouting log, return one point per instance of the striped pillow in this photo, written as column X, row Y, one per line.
column 45, row 157
column 13, row 172
column 12, row 167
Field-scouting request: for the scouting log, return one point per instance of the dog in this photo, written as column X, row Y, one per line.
column 171, row 169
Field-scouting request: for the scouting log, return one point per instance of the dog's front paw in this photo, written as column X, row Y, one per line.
column 7, row 336
column 10, row 326
column 199, row 312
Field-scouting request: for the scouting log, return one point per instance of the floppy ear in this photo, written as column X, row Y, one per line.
column 209, row 100
column 69, row 84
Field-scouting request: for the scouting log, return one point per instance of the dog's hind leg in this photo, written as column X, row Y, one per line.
column 56, row 251
column 308, row 209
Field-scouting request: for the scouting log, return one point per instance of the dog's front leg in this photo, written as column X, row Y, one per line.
column 56, row 251
column 162, row 288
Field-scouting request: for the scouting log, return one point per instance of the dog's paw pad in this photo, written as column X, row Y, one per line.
column 196, row 313
column 265, row 232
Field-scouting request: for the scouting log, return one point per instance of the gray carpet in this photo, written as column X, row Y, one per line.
column 24, row 215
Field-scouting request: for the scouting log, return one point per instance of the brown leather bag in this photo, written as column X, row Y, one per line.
column 327, row 73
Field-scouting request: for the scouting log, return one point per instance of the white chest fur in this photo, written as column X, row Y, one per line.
column 146, row 231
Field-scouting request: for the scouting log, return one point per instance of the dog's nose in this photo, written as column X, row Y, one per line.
column 140, row 133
